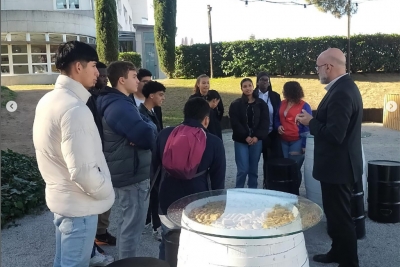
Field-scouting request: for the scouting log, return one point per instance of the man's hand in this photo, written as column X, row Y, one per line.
column 132, row 144
column 304, row 118
column 281, row 130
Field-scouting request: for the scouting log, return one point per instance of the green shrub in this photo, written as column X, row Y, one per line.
column 22, row 186
column 7, row 95
column 133, row 57
column 369, row 54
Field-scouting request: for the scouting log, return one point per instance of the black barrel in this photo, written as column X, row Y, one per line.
column 358, row 209
column 384, row 191
column 171, row 247
column 282, row 175
column 139, row 262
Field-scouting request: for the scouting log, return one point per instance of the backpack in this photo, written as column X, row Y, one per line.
column 183, row 153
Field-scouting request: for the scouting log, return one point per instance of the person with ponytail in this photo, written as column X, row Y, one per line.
column 201, row 88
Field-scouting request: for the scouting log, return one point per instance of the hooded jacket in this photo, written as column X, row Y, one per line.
column 128, row 138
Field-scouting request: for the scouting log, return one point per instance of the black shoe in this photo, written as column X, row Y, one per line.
column 325, row 258
column 106, row 239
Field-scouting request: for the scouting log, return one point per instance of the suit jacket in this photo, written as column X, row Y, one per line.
column 337, row 134
column 157, row 111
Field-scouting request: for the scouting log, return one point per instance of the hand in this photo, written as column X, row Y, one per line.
column 281, row 130
column 249, row 140
column 304, row 150
column 132, row 144
column 304, row 118
column 254, row 140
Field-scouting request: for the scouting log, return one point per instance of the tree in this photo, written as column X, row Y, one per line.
column 252, row 37
column 164, row 34
column 337, row 8
column 106, row 30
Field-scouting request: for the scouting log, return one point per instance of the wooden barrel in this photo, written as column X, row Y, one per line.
column 391, row 111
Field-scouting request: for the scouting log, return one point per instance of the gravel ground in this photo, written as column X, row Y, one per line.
column 31, row 242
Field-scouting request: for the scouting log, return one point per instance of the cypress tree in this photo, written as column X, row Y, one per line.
column 165, row 33
column 106, row 30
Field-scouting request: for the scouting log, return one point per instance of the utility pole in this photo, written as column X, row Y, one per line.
column 209, row 8
column 348, row 34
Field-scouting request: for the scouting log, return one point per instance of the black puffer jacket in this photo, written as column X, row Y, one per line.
column 238, row 118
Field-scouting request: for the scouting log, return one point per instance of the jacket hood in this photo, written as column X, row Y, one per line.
column 108, row 96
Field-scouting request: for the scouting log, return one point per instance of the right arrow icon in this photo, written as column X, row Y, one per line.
column 391, row 106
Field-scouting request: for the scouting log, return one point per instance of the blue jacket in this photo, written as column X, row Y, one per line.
column 124, row 118
column 303, row 130
column 171, row 189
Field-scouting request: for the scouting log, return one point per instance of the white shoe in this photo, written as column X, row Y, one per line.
column 157, row 234
column 101, row 260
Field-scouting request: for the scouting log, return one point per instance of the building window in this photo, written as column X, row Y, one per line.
column 71, row 38
column 37, row 37
column 5, row 62
column 67, row 4
column 56, row 38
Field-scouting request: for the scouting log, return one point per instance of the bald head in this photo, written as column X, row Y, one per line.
column 331, row 64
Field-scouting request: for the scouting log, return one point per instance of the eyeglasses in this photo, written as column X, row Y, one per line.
column 317, row 67
column 264, row 80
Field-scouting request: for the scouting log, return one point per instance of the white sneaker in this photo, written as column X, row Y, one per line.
column 101, row 260
column 157, row 234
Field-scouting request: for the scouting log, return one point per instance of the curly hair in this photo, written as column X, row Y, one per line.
column 293, row 92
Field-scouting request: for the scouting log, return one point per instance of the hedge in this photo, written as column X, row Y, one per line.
column 369, row 54
column 22, row 186
column 133, row 57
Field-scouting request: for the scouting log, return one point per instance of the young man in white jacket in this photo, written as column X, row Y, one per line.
column 69, row 155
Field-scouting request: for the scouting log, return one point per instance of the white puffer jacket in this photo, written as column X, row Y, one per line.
column 69, row 152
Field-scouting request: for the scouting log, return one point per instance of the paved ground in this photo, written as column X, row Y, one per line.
column 31, row 243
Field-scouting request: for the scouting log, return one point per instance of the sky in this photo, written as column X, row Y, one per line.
column 232, row 20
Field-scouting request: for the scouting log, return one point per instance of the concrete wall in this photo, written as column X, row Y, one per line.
column 40, row 5
column 125, row 24
column 139, row 11
column 29, row 79
column 48, row 21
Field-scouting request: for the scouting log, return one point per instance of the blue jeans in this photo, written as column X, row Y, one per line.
column 74, row 240
column 164, row 230
column 247, row 158
column 134, row 207
column 293, row 150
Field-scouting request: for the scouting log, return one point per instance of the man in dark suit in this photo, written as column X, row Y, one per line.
column 337, row 153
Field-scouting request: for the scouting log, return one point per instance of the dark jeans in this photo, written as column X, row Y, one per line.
column 336, row 200
column 152, row 213
column 272, row 148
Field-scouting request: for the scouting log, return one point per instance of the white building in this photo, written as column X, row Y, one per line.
column 31, row 31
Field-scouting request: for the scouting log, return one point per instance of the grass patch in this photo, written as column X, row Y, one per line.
column 373, row 88
column 7, row 95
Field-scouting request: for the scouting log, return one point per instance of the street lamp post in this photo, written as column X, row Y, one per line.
column 209, row 8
